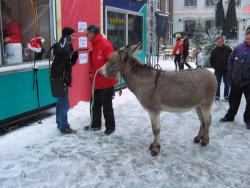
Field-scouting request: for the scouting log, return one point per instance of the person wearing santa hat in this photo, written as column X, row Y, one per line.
column 64, row 59
column 11, row 37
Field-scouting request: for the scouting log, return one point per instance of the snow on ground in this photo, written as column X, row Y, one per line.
column 40, row 156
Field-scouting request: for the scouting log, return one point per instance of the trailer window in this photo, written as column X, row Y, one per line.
column 135, row 26
column 116, row 29
column 22, row 21
column 123, row 28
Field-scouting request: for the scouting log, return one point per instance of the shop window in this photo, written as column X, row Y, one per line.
column 134, row 29
column 190, row 2
column 124, row 28
column 210, row 2
column 22, row 21
column 189, row 26
column 116, row 28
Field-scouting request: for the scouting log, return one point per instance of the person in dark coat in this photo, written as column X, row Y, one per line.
column 219, row 61
column 103, row 87
column 185, row 50
column 239, row 71
column 64, row 59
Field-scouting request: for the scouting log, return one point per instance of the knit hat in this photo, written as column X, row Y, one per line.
column 35, row 44
column 93, row 28
column 67, row 31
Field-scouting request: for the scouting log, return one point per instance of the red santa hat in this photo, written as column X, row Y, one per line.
column 35, row 44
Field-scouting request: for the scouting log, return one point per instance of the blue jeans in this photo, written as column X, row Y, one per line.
column 219, row 76
column 62, row 108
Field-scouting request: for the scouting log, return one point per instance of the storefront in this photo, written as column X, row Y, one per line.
column 25, row 91
column 21, row 21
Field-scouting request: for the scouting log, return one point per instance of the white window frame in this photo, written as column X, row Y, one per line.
column 1, row 39
column 186, row 20
column 208, row 20
column 29, row 64
column 190, row 5
column 158, row 4
column 210, row 5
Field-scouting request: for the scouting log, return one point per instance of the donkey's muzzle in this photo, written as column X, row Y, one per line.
column 103, row 71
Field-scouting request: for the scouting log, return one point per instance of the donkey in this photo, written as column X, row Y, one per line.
column 165, row 91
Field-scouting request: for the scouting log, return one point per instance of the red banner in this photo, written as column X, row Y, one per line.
column 73, row 12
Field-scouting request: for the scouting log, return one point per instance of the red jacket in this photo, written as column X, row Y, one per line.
column 178, row 48
column 102, row 49
column 13, row 31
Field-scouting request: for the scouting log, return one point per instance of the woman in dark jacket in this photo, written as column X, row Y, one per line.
column 64, row 58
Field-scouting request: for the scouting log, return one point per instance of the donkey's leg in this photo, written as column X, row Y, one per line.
column 198, row 138
column 155, row 121
column 206, row 113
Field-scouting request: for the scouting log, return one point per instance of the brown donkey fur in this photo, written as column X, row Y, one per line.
column 166, row 91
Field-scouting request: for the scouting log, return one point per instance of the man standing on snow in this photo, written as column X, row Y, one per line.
column 219, row 61
column 239, row 72
column 103, row 87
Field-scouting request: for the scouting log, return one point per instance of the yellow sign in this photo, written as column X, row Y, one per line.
column 120, row 21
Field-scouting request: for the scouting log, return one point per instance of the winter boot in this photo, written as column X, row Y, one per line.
column 67, row 130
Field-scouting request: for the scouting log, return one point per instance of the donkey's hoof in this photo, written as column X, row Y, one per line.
column 205, row 142
column 154, row 153
column 155, row 149
column 197, row 139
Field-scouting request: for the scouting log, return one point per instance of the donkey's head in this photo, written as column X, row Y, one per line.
column 117, row 60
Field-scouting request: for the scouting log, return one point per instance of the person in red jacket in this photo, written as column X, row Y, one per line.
column 11, row 36
column 103, row 87
column 177, row 52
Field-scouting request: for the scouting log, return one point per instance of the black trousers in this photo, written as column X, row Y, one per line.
column 234, row 101
column 185, row 61
column 177, row 61
column 103, row 101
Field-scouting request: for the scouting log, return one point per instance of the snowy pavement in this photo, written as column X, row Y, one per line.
column 40, row 156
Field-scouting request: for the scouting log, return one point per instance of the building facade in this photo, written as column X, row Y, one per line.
column 187, row 13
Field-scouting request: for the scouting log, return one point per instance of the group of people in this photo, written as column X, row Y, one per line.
column 181, row 51
column 65, row 58
column 231, row 66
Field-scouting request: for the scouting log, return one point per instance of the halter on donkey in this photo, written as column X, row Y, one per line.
column 165, row 91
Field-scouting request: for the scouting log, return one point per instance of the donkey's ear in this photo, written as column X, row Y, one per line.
column 124, row 49
column 134, row 48
column 124, row 52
